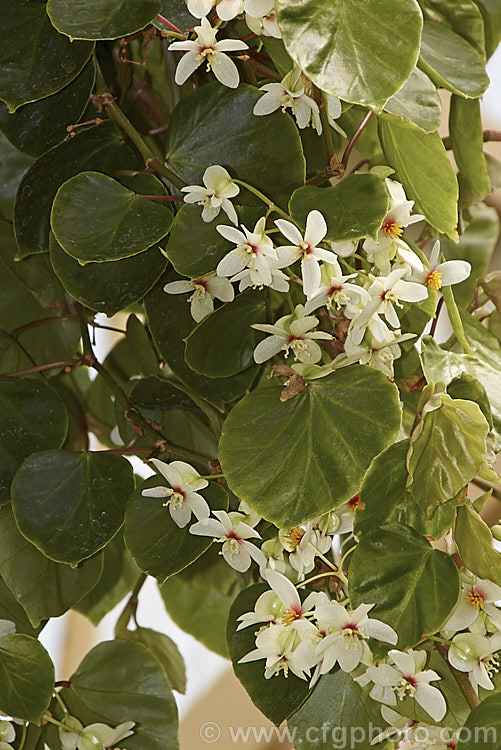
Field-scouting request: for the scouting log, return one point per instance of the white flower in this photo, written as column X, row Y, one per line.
column 274, row 555
column 94, row 736
column 261, row 18
column 299, row 543
column 230, row 530
column 338, row 292
column 377, row 354
column 306, row 249
column 387, row 291
column 205, row 290
column 7, row 627
column 343, row 249
column 200, row 8
column 413, row 681
column 182, row 495
column 388, row 242
column 215, row 195
column 442, row 274
column 346, row 632
column 475, row 608
column 7, row 734
column 291, row 333
column 475, row 654
column 205, row 49
column 290, row 93
column 254, row 261
column 278, row 644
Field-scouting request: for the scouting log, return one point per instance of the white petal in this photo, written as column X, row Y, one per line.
column 268, row 348
column 431, row 699
column 349, row 657
column 269, row 102
column 289, row 231
column 454, row 271
column 179, row 287
column 201, row 306
column 231, row 234
column 435, row 254
column 198, row 505
column 200, row 8
column 231, row 264
column 229, row 210
column 240, row 560
column 186, row 66
column 379, row 630
column 209, row 527
column 316, row 228
column 408, row 291
column 157, row 492
column 221, row 288
column 225, row 70
column 230, row 45
column 180, row 514
column 284, row 589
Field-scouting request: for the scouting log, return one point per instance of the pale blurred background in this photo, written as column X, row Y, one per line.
column 213, row 693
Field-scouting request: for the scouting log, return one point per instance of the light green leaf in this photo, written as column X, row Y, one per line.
column 353, row 209
column 278, row 697
column 102, row 19
column 413, row 586
column 353, row 48
column 437, row 474
column 99, row 148
column 33, row 417
column 165, row 651
column 476, row 245
column 122, row 681
column 155, row 541
column 43, row 587
column 465, row 127
column 461, row 16
column 483, row 726
column 37, row 127
column 95, row 218
column 491, row 12
column 200, row 597
column 223, row 343
column 35, row 61
column 216, row 125
column 338, row 708
column 170, row 323
column 417, row 103
column 475, row 544
column 334, row 428
column 469, row 388
column 69, row 505
column 385, row 499
column 421, row 165
column 451, row 62
column 26, row 677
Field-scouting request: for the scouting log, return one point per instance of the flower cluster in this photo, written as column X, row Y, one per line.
column 75, row 736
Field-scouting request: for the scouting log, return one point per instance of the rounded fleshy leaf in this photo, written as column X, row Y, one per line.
column 26, row 677
column 102, row 19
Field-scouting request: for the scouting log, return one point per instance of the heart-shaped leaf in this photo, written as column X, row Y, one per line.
column 95, row 218
column 70, row 505
column 102, row 19
column 308, row 455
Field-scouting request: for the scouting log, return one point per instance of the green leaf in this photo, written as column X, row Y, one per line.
column 156, row 543
column 491, row 12
column 483, row 726
column 109, row 286
column 338, row 708
column 461, row 16
column 177, row 13
column 385, row 499
column 102, row 19
column 119, row 577
column 437, row 474
column 413, row 586
column 35, row 60
column 10, row 609
column 13, row 165
column 223, row 343
column 451, row 62
column 475, row 544
column 278, row 697
column 465, row 127
column 69, row 505
column 353, row 209
column 122, row 681
column 12, row 356
column 33, row 417
column 43, row 587
column 165, row 651
column 26, row 677
column 421, row 165
column 170, row 322
column 215, row 125
column 99, row 148
column 95, row 218
column 469, row 388
column 417, row 103
column 206, row 246
column 37, row 127
column 199, row 600
column 334, row 428
column 476, row 245
column 353, row 48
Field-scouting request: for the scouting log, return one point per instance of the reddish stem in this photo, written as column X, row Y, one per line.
column 435, row 319
column 41, row 368
column 168, row 24
column 354, row 138
column 164, row 197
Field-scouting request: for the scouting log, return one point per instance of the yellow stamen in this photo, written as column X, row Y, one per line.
column 290, row 616
column 434, row 280
column 294, row 536
column 474, row 599
column 392, row 228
